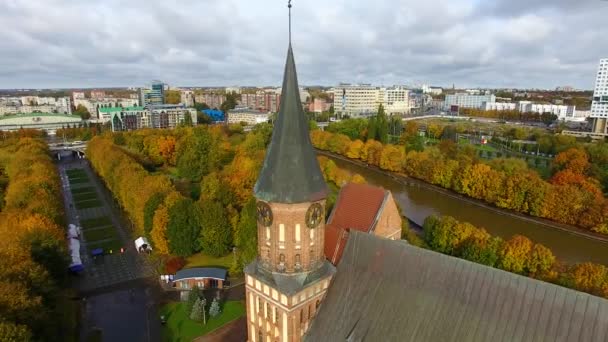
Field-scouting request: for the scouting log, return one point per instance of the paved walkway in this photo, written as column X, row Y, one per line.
column 110, row 269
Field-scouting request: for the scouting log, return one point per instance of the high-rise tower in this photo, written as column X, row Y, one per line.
column 289, row 278
column 599, row 106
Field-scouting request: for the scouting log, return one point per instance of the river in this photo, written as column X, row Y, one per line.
column 418, row 202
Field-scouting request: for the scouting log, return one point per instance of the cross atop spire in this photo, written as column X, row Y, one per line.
column 289, row 6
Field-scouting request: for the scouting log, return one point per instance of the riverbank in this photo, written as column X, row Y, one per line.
column 403, row 179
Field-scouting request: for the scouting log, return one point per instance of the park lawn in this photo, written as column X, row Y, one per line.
column 75, row 173
column 84, row 196
column 96, row 222
column 100, row 234
column 88, row 204
column 83, row 190
column 112, row 245
column 180, row 328
column 78, row 180
column 204, row 260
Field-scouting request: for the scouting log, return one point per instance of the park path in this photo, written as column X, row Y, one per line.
column 111, row 269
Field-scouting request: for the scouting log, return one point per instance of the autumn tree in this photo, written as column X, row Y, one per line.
column 354, row 149
column 391, row 158
column 540, row 261
column 515, row 254
column 215, row 234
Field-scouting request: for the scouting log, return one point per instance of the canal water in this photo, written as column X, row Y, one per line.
column 418, row 202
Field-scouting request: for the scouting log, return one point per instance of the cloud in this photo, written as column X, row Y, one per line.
column 515, row 43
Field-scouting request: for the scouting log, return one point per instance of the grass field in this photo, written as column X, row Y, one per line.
column 100, row 234
column 203, row 260
column 84, row 196
column 180, row 328
column 78, row 180
column 88, row 204
column 96, row 222
column 82, row 190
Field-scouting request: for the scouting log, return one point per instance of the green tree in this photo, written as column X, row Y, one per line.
column 183, row 228
column 215, row 234
column 188, row 120
column 484, row 250
column 193, row 296
column 83, row 112
column 198, row 310
column 246, row 236
column 10, row 332
column 150, row 208
column 214, row 310
column 197, row 154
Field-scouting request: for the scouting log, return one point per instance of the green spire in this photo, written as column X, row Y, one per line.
column 291, row 172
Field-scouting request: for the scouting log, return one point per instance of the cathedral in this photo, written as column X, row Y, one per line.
column 382, row 289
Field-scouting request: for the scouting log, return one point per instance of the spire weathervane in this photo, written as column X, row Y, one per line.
column 289, row 6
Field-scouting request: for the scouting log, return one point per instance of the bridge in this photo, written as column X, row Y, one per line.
column 63, row 150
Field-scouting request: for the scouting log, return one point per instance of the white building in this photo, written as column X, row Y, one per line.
column 251, row 117
column 395, row 100
column 356, row 100
column 464, row 100
column 431, row 90
column 499, row 106
column 562, row 112
column 599, row 106
column 234, row 89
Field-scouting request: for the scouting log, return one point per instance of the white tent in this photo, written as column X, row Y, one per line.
column 73, row 231
column 75, row 252
column 142, row 245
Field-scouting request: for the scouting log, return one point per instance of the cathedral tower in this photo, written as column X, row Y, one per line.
column 287, row 281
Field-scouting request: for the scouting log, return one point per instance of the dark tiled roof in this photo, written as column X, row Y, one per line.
column 291, row 283
column 390, row 291
column 357, row 207
column 291, row 172
column 200, row 272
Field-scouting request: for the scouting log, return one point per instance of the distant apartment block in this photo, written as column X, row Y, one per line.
column 319, row 105
column 263, row 100
column 163, row 116
column 35, row 104
column 251, row 117
column 187, row 98
column 97, row 94
column 599, row 105
column 465, row 100
column 211, row 100
column 562, row 112
column 362, row 100
column 499, row 106
column 431, row 90
column 234, row 89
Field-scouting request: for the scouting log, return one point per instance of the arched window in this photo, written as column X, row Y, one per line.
column 302, row 316
column 261, row 336
column 268, row 312
column 276, row 315
column 297, row 259
column 317, row 304
column 282, row 258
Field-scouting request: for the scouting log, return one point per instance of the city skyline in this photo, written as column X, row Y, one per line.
column 516, row 44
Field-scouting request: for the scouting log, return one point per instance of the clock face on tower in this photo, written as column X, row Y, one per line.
column 314, row 215
column 264, row 214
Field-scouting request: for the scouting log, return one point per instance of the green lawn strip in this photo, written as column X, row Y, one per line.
column 82, row 190
column 96, row 222
column 84, row 196
column 203, row 260
column 88, row 204
column 93, row 235
column 113, row 245
column 180, row 328
column 79, row 180
column 76, row 172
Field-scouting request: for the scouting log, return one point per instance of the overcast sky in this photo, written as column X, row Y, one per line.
column 487, row 43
